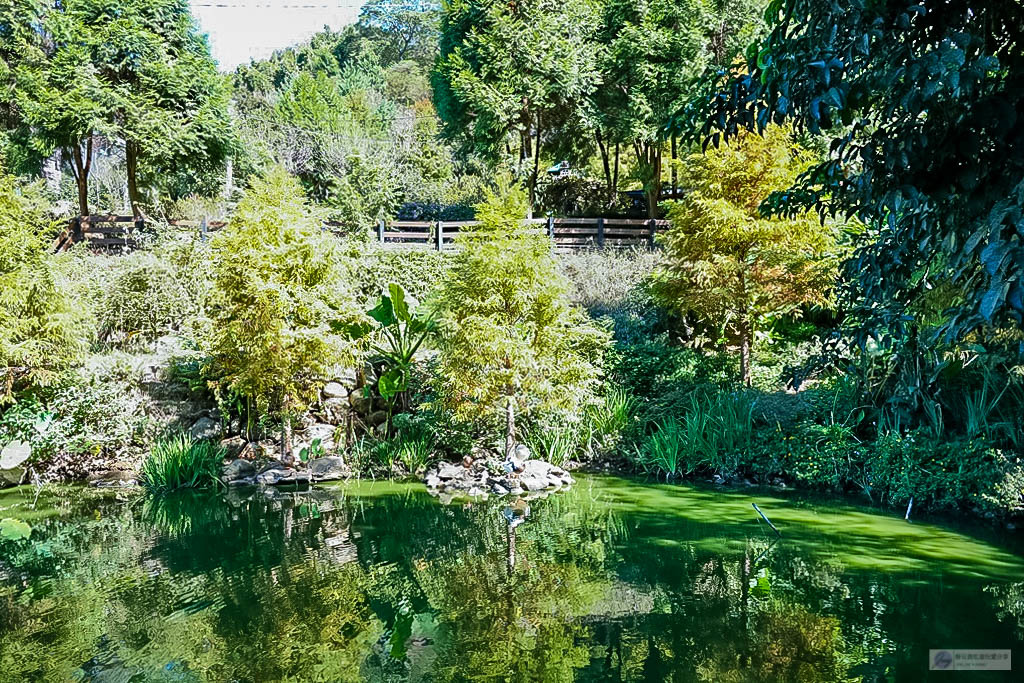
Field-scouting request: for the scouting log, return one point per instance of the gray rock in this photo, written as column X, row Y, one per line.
column 532, row 482
column 449, row 470
column 347, row 377
column 360, row 403
column 238, row 469
column 516, row 491
column 233, row 445
column 322, row 431
column 275, row 475
column 537, row 468
column 13, row 455
column 522, row 452
column 111, row 479
column 498, row 489
column 335, row 390
column 432, row 481
column 329, row 468
column 336, row 410
column 205, row 428
column 377, row 417
column 245, row 481
column 554, row 481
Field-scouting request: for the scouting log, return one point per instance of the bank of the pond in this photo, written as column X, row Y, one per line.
column 375, row 580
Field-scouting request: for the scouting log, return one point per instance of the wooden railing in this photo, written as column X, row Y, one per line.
column 100, row 231
column 117, row 233
column 566, row 233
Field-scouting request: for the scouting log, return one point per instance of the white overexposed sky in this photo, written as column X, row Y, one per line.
column 241, row 30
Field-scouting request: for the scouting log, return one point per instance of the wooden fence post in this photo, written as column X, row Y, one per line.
column 551, row 227
column 440, row 236
column 650, row 238
column 600, row 233
column 380, row 231
column 203, row 229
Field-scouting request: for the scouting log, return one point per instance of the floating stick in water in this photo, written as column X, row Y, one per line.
column 765, row 518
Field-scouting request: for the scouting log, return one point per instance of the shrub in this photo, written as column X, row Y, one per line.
column 93, row 416
column 179, row 462
column 606, row 421
column 418, row 271
column 729, row 266
column 713, row 434
column 42, row 329
column 510, row 341
column 556, row 445
column 605, row 282
column 281, row 300
column 144, row 300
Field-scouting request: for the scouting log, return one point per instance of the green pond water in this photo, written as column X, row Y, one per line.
column 615, row 580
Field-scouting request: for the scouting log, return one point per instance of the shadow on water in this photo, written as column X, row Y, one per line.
column 614, row 580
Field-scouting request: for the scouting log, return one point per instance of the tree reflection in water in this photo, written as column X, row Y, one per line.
column 378, row 582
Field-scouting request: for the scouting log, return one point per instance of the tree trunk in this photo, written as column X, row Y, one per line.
column 287, row 457
column 536, row 171
column 131, row 158
column 674, row 157
column 746, row 346
column 615, row 173
column 606, row 164
column 510, row 429
column 80, row 169
column 655, row 192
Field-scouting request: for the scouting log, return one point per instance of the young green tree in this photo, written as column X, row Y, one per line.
column 510, row 341
column 42, row 331
column 727, row 264
column 505, row 68
column 280, row 291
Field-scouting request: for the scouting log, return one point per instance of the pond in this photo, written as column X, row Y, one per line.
column 614, row 580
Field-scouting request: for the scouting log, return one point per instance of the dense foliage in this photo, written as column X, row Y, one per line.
column 511, row 342
column 40, row 329
column 921, row 103
column 279, row 292
column 725, row 264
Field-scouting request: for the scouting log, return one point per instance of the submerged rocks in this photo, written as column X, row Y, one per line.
column 111, row 479
column 491, row 477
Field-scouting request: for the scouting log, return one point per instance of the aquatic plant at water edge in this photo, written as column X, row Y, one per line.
column 712, row 435
column 179, row 461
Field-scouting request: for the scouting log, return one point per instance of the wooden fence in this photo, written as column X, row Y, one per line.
column 566, row 234
column 118, row 233
column 107, row 232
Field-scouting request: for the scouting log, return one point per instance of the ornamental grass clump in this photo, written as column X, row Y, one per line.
column 180, row 462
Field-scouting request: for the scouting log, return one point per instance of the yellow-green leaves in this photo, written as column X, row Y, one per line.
column 725, row 263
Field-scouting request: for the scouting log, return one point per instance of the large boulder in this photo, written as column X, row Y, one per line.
column 238, row 470
column 321, row 431
column 335, row 390
column 328, row 468
column 12, row 458
column 335, row 410
column 205, row 428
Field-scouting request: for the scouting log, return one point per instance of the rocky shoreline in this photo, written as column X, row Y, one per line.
column 484, row 477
